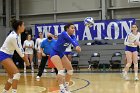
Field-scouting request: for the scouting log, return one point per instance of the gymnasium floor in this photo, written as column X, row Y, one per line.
column 81, row 83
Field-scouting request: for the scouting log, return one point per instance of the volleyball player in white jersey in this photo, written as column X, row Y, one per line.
column 37, row 47
column 12, row 43
column 29, row 46
column 131, row 42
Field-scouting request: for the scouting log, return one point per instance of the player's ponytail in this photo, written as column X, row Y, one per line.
column 15, row 23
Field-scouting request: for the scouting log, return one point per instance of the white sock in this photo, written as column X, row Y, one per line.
column 125, row 72
column 24, row 66
column 136, row 74
column 67, row 83
column 61, row 86
column 14, row 90
column 4, row 91
column 32, row 65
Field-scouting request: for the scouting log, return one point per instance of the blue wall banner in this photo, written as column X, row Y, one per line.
column 102, row 29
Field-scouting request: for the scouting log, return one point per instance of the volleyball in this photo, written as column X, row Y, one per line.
column 89, row 21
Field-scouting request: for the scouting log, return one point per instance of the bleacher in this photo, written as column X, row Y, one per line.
column 106, row 50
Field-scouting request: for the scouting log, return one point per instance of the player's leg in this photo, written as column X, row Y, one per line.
column 61, row 72
column 69, row 57
column 135, row 62
column 42, row 66
column 67, row 64
column 26, row 55
column 39, row 56
column 8, row 84
column 32, row 63
column 13, row 71
column 127, row 66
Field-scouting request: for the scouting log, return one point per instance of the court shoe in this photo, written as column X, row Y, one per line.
column 38, row 77
column 45, row 71
column 136, row 79
column 24, row 71
column 125, row 76
column 67, row 88
column 63, row 91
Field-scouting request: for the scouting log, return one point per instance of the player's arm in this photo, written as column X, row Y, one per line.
column 36, row 42
column 127, row 41
column 17, row 44
column 24, row 45
column 42, row 48
column 32, row 46
column 73, row 41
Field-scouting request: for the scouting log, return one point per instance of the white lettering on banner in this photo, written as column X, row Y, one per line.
column 103, row 29
column 87, row 34
column 56, row 29
column 77, row 29
column 45, row 29
column 124, row 25
column 109, row 29
column 99, row 29
column 39, row 28
column 62, row 28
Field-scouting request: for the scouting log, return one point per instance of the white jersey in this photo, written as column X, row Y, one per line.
column 38, row 43
column 12, row 43
column 131, row 38
column 68, row 49
column 28, row 43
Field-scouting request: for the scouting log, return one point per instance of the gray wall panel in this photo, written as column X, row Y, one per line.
column 2, row 35
column 124, row 3
column 71, row 17
column 37, row 19
column 0, row 7
column 128, row 13
column 36, row 6
column 1, row 21
column 77, row 5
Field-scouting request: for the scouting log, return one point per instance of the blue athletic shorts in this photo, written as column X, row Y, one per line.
column 4, row 56
column 131, row 49
column 54, row 52
column 68, row 53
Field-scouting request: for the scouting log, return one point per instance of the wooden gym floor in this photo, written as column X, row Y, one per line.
column 81, row 83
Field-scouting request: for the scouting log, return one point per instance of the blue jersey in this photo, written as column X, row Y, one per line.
column 64, row 41
column 47, row 46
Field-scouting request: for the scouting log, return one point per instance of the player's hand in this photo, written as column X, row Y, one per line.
column 43, row 54
column 78, row 49
column 26, row 61
column 136, row 43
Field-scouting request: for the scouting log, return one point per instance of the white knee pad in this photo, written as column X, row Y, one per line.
column 70, row 72
column 136, row 65
column 61, row 72
column 128, row 65
column 16, row 76
column 10, row 80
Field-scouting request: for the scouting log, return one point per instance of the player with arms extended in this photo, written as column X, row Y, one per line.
column 60, row 61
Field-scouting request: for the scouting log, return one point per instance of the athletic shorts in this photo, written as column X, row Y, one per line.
column 54, row 52
column 4, row 56
column 68, row 53
column 131, row 49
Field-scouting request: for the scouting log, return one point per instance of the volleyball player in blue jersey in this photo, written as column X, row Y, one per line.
column 60, row 61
